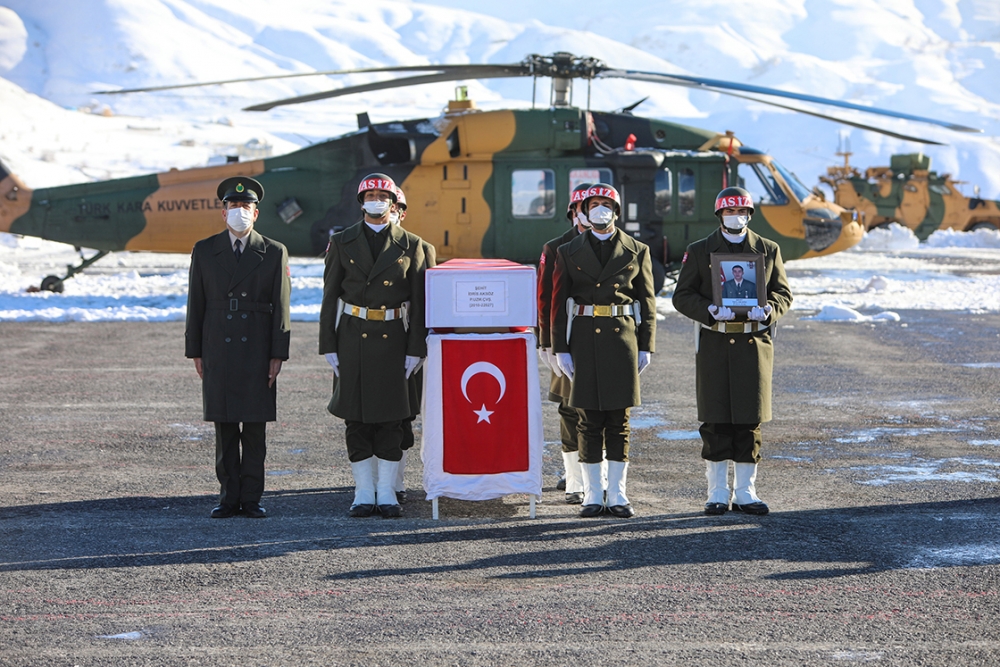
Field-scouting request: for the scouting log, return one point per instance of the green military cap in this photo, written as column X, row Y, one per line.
column 240, row 188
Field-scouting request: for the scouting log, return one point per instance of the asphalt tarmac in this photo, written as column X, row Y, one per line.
column 882, row 547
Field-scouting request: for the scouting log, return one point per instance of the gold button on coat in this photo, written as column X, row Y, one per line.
column 364, row 335
column 750, row 341
column 597, row 331
column 732, row 340
column 385, row 335
column 385, row 282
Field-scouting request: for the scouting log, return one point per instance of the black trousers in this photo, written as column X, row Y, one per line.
column 408, row 438
column 241, row 477
column 602, row 430
column 569, row 422
column 382, row 440
column 735, row 442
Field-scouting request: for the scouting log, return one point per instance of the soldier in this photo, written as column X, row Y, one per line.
column 737, row 287
column 238, row 334
column 734, row 359
column 373, row 335
column 603, row 332
column 559, row 384
column 416, row 381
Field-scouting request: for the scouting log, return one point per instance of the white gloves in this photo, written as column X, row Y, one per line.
column 334, row 361
column 565, row 360
column 413, row 364
column 553, row 362
column 644, row 359
column 759, row 314
column 543, row 356
column 723, row 314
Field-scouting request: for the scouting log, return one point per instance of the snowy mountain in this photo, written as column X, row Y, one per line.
column 936, row 58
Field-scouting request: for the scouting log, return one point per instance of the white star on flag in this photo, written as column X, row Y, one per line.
column 483, row 414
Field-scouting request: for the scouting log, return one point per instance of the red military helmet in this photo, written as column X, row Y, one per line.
column 603, row 190
column 377, row 182
column 733, row 198
column 575, row 198
column 400, row 198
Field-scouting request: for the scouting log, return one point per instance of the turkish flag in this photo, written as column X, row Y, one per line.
column 484, row 406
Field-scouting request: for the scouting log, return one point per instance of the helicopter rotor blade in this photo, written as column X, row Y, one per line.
column 843, row 121
column 725, row 88
column 271, row 77
column 456, row 73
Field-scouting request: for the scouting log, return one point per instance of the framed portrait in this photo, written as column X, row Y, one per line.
column 739, row 283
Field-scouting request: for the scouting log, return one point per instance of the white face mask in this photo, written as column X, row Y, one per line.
column 601, row 217
column 736, row 223
column 581, row 220
column 376, row 209
column 394, row 218
column 239, row 219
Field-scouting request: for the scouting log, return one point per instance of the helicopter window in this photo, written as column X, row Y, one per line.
column 663, row 191
column 581, row 176
column 793, row 181
column 454, row 149
column 685, row 191
column 533, row 193
column 761, row 185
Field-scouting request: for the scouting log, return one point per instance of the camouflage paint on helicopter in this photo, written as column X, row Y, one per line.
column 468, row 176
column 909, row 193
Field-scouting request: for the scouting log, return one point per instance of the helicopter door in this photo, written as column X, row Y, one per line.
column 684, row 200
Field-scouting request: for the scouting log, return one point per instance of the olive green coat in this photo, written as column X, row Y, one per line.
column 559, row 385
column 372, row 386
column 605, row 349
column 733, row 371
column 236, row 346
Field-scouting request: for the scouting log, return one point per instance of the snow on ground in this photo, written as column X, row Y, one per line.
column 889, row 271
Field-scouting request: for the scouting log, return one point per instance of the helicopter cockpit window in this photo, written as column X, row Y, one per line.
column 581, row 176
column 533, row 193
column 685, row 191
column 758, row 181
column 663, row 191
column 800, row 190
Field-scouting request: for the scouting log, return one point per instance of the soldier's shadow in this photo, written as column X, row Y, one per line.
column 809, row 544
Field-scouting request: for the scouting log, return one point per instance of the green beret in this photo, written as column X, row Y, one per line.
column 240, row 188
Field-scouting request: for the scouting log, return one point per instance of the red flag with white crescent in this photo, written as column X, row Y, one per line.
column 485, row 406
column 722, row 275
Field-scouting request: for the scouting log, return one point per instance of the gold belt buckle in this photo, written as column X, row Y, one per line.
column 734, row 327
column 356, row 311
column 602, row 311
column 377, row 315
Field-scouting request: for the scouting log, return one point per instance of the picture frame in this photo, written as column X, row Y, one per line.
column 739, row 283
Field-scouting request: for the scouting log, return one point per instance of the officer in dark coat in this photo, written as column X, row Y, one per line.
column 373, row 334
column 603, row 332
column 735, row 355
column 238, row 334
column 559, row 384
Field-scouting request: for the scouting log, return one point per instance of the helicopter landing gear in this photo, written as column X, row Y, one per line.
column 55, row 283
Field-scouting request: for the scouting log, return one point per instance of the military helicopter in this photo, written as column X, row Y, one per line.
column 907, row 192
column 491, row 184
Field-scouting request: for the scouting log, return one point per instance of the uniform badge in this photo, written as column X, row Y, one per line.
column 239, row 187
column 684, row 261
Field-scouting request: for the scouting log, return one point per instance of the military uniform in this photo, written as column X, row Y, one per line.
column 559, row 385
column 604, row 343
column 734, row 361
column 744, row 290
column 237, row 322
column 378, row 298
